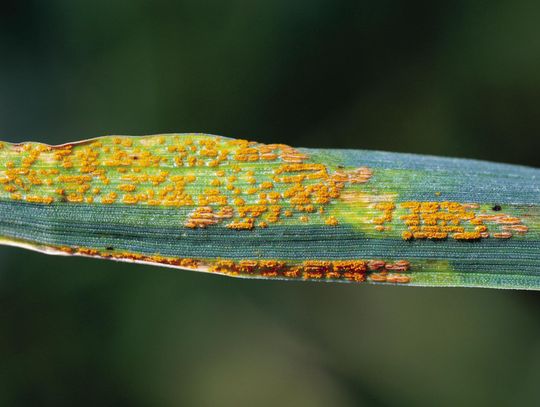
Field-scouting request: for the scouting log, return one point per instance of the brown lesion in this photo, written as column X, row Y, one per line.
column 509, row 225
column 359, row 175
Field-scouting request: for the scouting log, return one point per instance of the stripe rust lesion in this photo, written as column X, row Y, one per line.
column 442, row 220
column 378, row 271
column 235, row 183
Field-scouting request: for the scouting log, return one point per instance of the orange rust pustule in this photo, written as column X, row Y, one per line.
column 460, row 221
column 346, row 270
column 349, row 270
column 387, row 209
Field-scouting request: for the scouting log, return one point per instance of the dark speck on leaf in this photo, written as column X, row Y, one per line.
column 497, row 208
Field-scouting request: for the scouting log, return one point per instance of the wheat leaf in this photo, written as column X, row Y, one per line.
column 245, row 209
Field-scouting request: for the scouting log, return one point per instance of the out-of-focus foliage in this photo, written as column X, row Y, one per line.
column 458, row 79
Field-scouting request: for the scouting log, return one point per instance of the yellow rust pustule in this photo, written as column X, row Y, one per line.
column 460, row 221
column 236, row 183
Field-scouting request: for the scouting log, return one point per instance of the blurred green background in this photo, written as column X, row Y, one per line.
column 457, row 79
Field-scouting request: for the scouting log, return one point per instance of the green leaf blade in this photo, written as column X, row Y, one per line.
column 245, row 209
